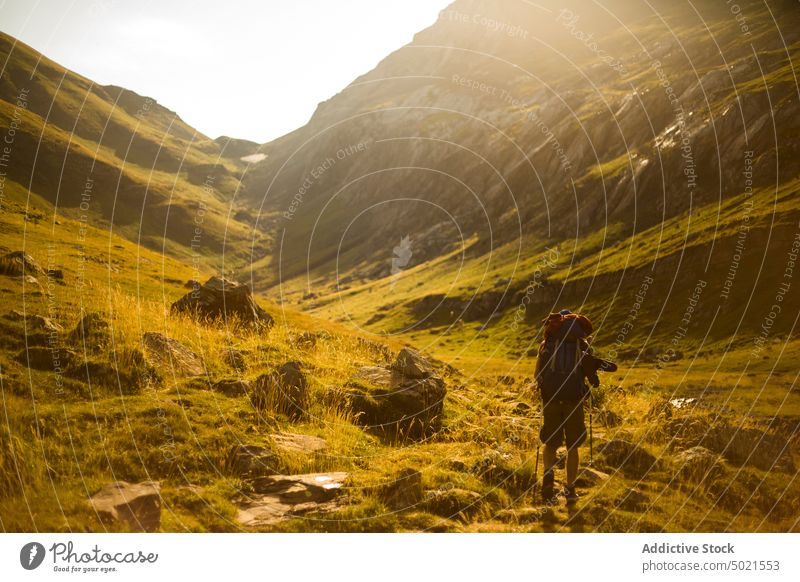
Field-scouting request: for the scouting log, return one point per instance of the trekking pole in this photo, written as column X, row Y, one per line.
column 591, row 435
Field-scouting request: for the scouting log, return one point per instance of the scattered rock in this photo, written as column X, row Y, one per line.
column 34, row 322
column 760, row 448
column 136, row 504
column 92, row 331
column 522, row 409
column 222, row 298
column 282, row 497
column 251, row 461
column 608, row 418
column 411, row 364
column 55, row 274
column 231, row 387
column 234, row 358
column 395, row 404
column 164, row 352
column 54, row 360
column 404, row 490
column 589, row 477
column 632, row 460
column 19, row 264
column 299, row 443
column 309, row 339
column 284, row 391
column 633, row 500
column 697, row 464
column 451, row 503
column 30, row 280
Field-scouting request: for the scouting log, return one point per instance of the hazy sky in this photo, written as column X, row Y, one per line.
column 245, row 68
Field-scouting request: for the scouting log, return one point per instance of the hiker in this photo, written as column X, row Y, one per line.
column 564, row 361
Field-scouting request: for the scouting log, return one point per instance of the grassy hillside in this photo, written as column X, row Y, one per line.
column 65, row 435
column 122, row 161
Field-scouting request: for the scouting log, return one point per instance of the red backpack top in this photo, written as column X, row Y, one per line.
column 553, row 323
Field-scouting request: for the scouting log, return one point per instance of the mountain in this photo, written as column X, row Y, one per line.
column 635, row 162
column 119, row 159
column 632, row 139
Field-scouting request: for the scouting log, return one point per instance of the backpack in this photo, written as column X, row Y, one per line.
column 559, row 367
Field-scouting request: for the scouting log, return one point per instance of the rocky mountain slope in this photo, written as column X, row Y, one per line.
column 631, row 139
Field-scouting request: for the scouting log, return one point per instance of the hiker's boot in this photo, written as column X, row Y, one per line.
column 570, row 495
column 548, row 491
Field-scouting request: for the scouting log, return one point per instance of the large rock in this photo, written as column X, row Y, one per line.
column 234, row 358
column 404, row 491
column 743, row 445
column 284, row 391
column 220, row 298
column 411, row 364
column 633, row 460
column 169, row 354
column 47, row 359
column 251, row 461
column 453, row 502
column 34, row 322
column 231, row 387
column 137, row 505
column 282, row 497
column 91, row 331
column 19, row 264
column 299, row 443
column 403, row 401
column 697, row 464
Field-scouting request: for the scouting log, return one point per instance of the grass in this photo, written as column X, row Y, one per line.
column 60, row 445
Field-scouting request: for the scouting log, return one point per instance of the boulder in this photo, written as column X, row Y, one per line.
column 282, row 497
column 221, row 298
column 608, row 418
column 234, row 358
column 633, row 460
column 284, row 391
column 632, row 500
column 19, row 264
column 697, row 464
column 309, row 339
column 41, row 358
column 166, row 353
column 251, row 461
column 589, row 477
column 403, row 401
column 92, row 330
column 299, row 443
column 34, row 322
column 404, row 491
column 411, row 364
column 138, row 505
column 453, row 502
column 232, row 387
column 749, row 445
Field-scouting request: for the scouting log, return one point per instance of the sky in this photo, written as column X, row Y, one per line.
column 243, row 68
